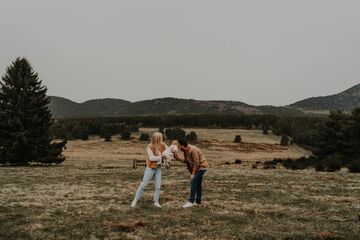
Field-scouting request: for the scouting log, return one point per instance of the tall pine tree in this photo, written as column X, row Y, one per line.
column 25, row 118
column 340, row 136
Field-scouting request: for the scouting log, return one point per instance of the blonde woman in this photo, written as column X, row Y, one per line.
column 153, row 168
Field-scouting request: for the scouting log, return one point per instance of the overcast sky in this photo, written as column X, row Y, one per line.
column 256, row 51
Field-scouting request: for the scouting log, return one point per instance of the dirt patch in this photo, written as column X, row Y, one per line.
column 325, row 236
column 245, row 147
column 126, row 226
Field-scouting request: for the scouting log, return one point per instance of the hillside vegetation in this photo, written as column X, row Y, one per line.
column 346, row 101
column 62, row 107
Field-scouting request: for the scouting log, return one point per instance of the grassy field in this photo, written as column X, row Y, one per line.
column 89, row 198
column 217, row 145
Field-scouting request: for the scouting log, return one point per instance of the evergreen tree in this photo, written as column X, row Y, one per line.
column 144, row 137
column 107, row 137
column 237, row 139
column 192, row 136
column 175, row 133
column 284, row 140
column 338, row 141
column 355, row 134
column 126, row 135
column 3, row 135
column 335, row 136
column 25, row 123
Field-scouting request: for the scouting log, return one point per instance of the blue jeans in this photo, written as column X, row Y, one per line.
column 196, row 187
column 148, row 175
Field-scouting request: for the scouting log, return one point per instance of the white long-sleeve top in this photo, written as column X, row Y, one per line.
column 152, row 157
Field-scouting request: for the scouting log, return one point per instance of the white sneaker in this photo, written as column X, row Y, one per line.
column 157, row 204
column 133, row 203
column 188, row 204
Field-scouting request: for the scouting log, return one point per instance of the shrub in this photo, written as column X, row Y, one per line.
column 192, row 137
column 330, row 163
column 354, row 166
column 238, row 161
column 269, row 167
column 275, row 161
column 107, row 137
column 175, row 133
column 299, row 164
column 320, row 166
column 144, row 137
column 284, row 140
column 237, row 139
column 126, row 135
column 333, row 163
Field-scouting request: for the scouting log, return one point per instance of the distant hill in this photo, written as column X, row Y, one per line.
column 346, row 100
column 62, row 107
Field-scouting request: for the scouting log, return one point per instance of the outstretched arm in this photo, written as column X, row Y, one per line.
column 179, row 158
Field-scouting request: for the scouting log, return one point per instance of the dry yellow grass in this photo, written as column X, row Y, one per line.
column 88, row 197
column 217, row 145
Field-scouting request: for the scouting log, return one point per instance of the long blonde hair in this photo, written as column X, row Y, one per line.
column 156, row 140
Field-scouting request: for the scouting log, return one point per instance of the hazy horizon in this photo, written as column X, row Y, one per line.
column 258, row 52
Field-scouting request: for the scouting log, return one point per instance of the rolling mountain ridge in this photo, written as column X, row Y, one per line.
column 346, row 101
column 62, row 107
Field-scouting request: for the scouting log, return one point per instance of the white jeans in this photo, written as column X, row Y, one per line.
column 148, row 175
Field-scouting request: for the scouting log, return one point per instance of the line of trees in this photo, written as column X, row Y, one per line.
column 336, row 144
column 83, row 128
column 301, row 129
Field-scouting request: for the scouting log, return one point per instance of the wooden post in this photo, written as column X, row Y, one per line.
column 136, row 163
